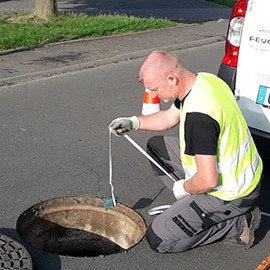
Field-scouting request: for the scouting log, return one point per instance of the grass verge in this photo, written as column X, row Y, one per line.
column 22, row 30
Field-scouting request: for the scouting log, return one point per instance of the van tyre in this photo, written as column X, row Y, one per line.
column 13, row 255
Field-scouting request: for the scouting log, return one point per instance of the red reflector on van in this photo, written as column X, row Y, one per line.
column 231, row 55
column 239, row 9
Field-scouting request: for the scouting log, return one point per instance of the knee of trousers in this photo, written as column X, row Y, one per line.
column 153, row 143
column 153, row 240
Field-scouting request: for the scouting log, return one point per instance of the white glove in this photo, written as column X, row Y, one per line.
column 122, row 125
column 178, row 189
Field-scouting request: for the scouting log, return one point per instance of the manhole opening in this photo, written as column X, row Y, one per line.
column 81, row 227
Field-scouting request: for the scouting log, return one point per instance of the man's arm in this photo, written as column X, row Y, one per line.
column 161, row 120
column 206, row 177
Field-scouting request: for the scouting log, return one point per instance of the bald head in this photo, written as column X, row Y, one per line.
column 159, row 64
column 163, row 75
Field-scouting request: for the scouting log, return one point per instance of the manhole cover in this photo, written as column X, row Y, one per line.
column 13, row 255
column 81, row 226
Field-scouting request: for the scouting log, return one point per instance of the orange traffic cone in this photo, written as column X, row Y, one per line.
column 150, row 105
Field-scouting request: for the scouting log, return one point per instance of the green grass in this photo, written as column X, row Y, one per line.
column 22, row 30
column 228, row 3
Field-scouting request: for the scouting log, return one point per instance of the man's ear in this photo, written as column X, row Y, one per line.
column 172, row 80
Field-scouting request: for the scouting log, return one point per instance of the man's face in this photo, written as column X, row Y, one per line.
column 161, row 88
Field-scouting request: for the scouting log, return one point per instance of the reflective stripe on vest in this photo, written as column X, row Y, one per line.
column 244, row 147
column 244, row 179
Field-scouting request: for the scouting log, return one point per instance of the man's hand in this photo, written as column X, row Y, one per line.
column 179, row 190
column 122, row 125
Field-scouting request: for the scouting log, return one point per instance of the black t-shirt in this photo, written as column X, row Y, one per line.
column 201, row 132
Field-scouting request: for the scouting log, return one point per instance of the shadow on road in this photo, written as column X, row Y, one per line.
column 146, row 202
column 263, row 201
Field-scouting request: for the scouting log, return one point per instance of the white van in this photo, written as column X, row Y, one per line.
column 246, row 66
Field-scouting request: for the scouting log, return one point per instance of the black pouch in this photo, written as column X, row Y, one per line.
column 207, row 222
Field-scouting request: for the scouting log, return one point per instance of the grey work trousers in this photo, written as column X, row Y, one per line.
column 196, row 219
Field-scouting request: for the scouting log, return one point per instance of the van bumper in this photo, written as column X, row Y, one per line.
column 228, row 75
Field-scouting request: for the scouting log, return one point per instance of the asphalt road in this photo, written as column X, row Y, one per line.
column 54, row 143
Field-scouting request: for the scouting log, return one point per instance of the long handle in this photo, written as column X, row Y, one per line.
column 110, row 171
column 147, row 156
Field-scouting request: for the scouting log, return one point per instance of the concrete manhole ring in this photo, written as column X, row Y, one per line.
column 13, row 255
column 81, row 226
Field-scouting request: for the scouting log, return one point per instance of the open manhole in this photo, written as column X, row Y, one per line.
column 81, row 226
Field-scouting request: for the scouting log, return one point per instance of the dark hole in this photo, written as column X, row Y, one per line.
column 78, row 243
column 53, row 238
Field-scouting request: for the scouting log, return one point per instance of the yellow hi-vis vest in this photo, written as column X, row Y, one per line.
column 238, row 162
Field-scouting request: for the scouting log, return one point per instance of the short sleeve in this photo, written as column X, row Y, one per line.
column 201, row 134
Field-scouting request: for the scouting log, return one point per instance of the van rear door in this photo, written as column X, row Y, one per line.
column 253, row 70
